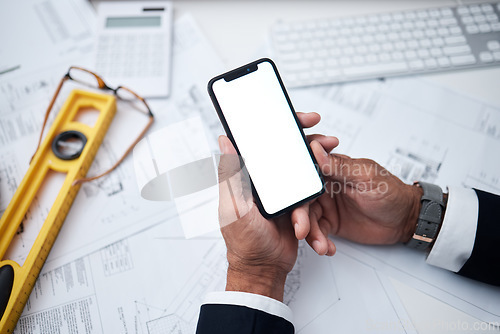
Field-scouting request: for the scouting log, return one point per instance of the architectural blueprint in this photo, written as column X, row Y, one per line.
column 122, row 264
column 117, row 210
column 419, row 131
column 155, row 282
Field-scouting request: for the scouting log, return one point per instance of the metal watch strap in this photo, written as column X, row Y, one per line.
column 429, row 218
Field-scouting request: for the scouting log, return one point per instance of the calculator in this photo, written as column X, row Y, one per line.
column 134, row 45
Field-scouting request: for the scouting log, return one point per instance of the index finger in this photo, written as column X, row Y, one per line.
column 309, row 119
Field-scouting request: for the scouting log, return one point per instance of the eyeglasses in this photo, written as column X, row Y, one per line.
column 90, row 79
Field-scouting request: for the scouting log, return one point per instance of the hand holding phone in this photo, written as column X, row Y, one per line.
column 260, row 121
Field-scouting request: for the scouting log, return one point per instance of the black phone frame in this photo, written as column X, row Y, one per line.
column 242, row 71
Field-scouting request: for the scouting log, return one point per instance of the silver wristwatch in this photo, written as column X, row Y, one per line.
column 429, row 219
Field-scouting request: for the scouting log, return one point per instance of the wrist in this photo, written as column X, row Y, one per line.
column 415, row 194
column 262, row 280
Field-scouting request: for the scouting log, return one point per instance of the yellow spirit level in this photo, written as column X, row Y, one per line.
column 16, row 282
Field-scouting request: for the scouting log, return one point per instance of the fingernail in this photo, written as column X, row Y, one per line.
column 222, row 145
column 316, row 245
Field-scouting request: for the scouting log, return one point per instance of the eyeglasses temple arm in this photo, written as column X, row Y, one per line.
column 47, row 113
column 131, row 147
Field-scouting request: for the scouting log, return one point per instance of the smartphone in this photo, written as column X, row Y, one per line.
column 258, row 117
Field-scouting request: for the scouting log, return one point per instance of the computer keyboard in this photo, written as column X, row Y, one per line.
column 390, row 44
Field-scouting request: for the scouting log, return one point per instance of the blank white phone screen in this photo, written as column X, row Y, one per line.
column 268, row 138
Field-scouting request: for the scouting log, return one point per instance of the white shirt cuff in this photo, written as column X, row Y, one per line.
column 455, row 240
column 251, row 300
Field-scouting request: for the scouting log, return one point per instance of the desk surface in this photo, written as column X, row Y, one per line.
column 237, row 29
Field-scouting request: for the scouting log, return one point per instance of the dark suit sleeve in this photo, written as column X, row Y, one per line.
column 484, row 262
column 235, row 319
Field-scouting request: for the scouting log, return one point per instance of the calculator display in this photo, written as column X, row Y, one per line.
column 133, row 21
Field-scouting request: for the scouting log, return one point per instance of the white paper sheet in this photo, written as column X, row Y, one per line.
column 155, row 281
column 109, row 208
column 419, row 131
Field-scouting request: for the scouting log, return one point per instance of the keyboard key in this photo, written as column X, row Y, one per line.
column 425, row 43
column 361, row 49
column 467, row 19
column 413, row 44
column 444, row 62
column 438, row 41
column 318, row 63
column 374, row 48
column 450, row 21
column 446, row 12
column 371, row 58
column 345, row 61
column 455, row 50
column 456, row 30
column 422, row 14
column 287, row 47
column 417, row 65
column 355, row 40
column 349, row 51
column 496, row 55
column 410, row 15
column 387, row 47
column 335, row 52
column 472, row 29
column 358, row 60
column 332, row 62
column 418, row 34
column 432, row 23
column 397, row 55
column 398, row 17
column 381, row 69
column 462, row 10
column 333, row 74
column 434, row 13
column 443, row 31
column 368, row 39
column 475, row 9
column 479, row 18
column 423, row 53
column 385, row 57
column 484, row 27
column 455, row 40
column 495, row 26
column 486, row 57
column 493, row 45
column 298, row 66
column 492, row 18
column 463, row 60
column 431, row 63
column 436, row 52
column 487, row 8
column 408, row 25
column 431, row 33
column 396, row 26
column 291, row 57
column 401, row 45
column 322, row 53
column 406, row 35
column 410, row 54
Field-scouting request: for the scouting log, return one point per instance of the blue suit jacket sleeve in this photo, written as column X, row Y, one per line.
column 235, row 319
column 483, row 264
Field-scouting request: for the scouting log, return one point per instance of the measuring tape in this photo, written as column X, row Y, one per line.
column 68, row 148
